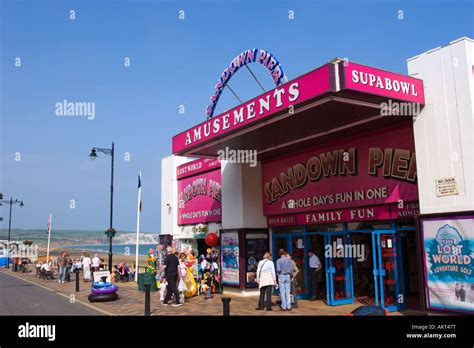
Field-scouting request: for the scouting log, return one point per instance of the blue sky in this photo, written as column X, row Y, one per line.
column 173, row 62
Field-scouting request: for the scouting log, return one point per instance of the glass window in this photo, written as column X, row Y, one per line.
column 256, row 244
column 370, row 225
column 326, row 228
column 405, row 223
column 287, row 229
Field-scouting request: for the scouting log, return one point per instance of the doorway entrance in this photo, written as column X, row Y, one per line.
column 357, row 265
column 294, row 243
column 409, row 265
column 364, row 285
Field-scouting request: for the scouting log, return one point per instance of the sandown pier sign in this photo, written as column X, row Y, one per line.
column 253, row 55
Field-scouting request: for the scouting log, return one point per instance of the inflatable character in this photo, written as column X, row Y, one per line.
column 191, row 288
column 192, row 263
column 151, row 262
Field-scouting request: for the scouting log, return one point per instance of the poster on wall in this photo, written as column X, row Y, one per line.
column 256, row 244
column 230, row 258
column 448, row 260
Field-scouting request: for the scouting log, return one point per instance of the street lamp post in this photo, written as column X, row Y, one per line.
column 11, row 202
column 110, row 232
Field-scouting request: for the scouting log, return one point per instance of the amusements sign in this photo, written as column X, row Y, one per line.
column 230, row 258
column 373, row 169
column 305, row 87
column 448, row 259
column 199, row 196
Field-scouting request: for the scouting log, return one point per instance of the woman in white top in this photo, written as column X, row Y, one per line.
column 182, row 277
column 266, row 279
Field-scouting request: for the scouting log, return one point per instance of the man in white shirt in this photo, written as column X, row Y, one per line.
column 314, row 268
column 96, row 261
column 45, row 267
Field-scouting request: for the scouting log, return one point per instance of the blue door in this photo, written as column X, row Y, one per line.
column 339, row 277
column 388, row 292
column 295, row 244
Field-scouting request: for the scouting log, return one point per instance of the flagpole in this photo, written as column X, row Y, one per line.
column 49, row 236
column 138, row 225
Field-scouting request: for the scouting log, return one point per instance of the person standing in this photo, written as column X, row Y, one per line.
column 62, row 263
column 294, row 274
column 183, row 275
column 170, row 265
column 86, row 267
column 284, row 268
column 95, row 263
column 266, row 279
column 68, row 267
column 314, row 268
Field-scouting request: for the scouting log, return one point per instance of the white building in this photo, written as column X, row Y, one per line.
column 444, row 131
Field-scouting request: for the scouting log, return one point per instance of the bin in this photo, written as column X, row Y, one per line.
column 146, row 278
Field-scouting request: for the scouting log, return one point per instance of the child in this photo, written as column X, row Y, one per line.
column 112, row 275
column 206, row 285
column 183, row 276
column 162, row 288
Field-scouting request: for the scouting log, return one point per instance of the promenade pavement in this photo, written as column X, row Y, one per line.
column 131, row 301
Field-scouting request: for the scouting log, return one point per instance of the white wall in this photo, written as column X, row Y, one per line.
column 169, row 193
column 444, row 129
column 242, row 196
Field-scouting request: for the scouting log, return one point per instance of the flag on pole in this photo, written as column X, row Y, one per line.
column 49, row 235
column 139, row 209
column 140, row 191
column 49, row 223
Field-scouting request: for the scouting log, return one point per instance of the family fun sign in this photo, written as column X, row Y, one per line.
column 259, row 56
column 382, row 212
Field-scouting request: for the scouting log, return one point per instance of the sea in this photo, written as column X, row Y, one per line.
column 124, row 249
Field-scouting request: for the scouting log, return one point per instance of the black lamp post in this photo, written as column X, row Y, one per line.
column 110, row 232
column 11, row 202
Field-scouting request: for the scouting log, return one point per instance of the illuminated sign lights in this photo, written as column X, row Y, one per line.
column 249, row 56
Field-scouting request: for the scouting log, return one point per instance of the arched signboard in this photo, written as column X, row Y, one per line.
column 249, row 56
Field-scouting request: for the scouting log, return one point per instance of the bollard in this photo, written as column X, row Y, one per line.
column 226, row 304
column 147, row 299
column 77, row 279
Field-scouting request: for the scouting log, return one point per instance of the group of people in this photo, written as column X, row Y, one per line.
column 174, row 270
column 176, row 279
column 89, row 266
column 66, row 265
column 283, row 276
column 122, row 273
